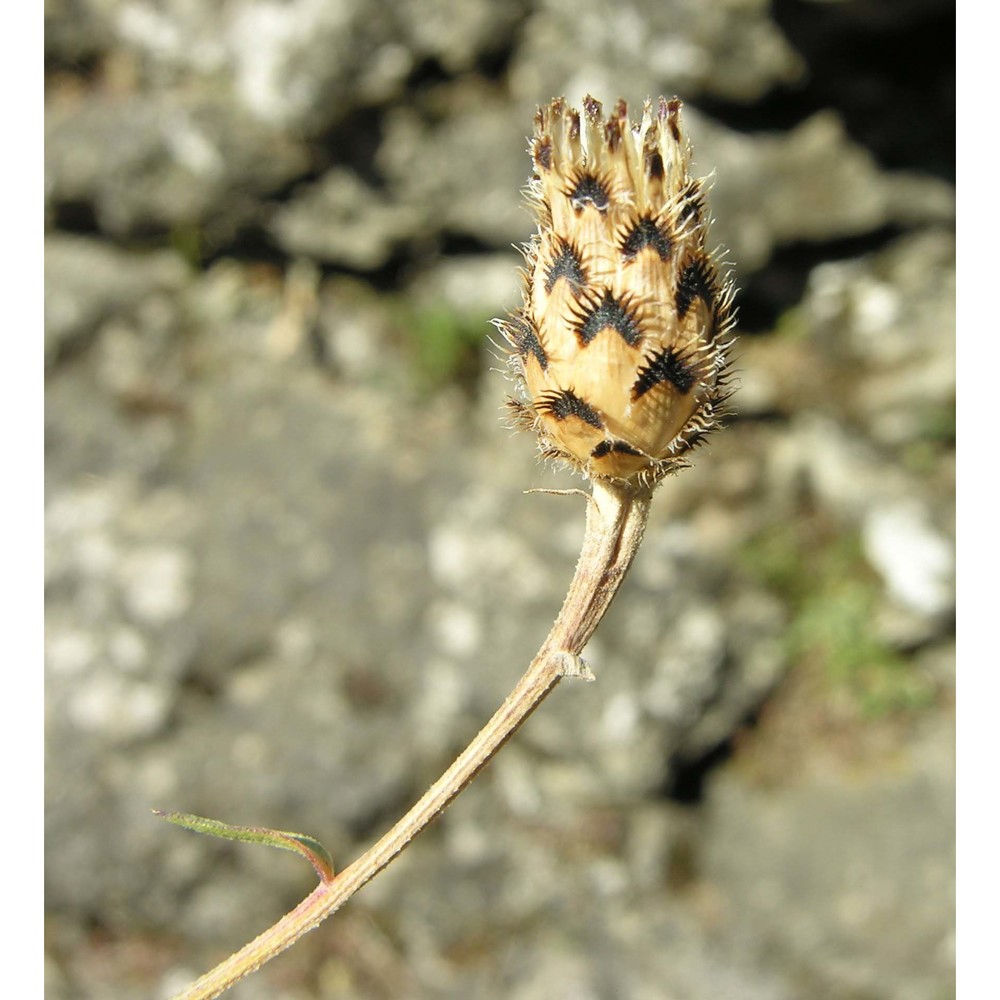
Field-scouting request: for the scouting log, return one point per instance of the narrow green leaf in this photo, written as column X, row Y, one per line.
column 300, row 843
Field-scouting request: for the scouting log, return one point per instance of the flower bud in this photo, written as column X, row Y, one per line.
column 620, row 347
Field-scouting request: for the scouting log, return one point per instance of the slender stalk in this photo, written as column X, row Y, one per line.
column 616, row 520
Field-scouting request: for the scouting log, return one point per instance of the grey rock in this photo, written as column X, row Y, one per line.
column 809, row 184
column 285, row 65
column 463, row 170
column 254, row 315
column 354, row 330
column 644, row 49
column 119, row 584
column 239, row 604
column 302, row 66
column 343, row 221
column 892, row 315
column 848, row 876
column 915, row 559
column 166, row 159
column 77, row 30
column 843, row 470
column 457, row 33
column 88, row 282
column 472, row 285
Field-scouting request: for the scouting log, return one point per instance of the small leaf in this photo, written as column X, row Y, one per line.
column 300, row 843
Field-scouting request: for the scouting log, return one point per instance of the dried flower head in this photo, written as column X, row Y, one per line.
column 621, row 345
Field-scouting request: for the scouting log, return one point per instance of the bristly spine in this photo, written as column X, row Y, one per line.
column 621, row 347
column 607, row 312
column 667, row 366
column 567, row 403
column 567, row 263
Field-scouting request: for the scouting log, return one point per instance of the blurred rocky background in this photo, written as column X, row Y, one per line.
column 291, row 569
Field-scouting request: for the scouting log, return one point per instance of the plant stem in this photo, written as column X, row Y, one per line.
column 616, row 519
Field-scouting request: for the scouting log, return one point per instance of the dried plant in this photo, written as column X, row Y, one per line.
column 620, row 356
column 621, row 344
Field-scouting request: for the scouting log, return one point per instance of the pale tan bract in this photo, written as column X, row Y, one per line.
column 621, row 345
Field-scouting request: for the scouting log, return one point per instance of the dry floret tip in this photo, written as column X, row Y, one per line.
column 621, row 345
